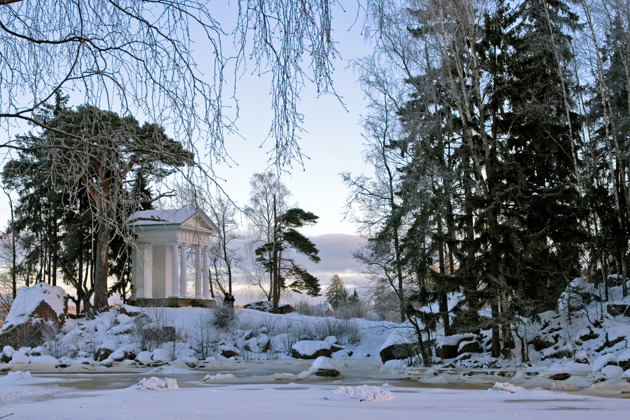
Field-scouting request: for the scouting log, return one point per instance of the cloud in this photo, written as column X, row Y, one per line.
column 335, row 251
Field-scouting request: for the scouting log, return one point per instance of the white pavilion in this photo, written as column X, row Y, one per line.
column 165, row 238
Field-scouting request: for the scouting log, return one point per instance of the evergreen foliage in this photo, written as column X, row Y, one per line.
column 74, row 194
column 275, row 258
column 513, row 173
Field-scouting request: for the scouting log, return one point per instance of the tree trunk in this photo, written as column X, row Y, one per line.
column 496, row 339
column 101, row 266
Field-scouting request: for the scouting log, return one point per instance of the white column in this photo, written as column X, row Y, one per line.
column 197, row 272
column 206, row 276
column 138, row 269
column 148, row 270
column 175, row 268
column 182, row 271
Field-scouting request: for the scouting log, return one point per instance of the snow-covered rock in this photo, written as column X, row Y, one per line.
column 36, row 312
column 507, row 387
column 311, row 349
column 7, row 353
column 285, row 377
column 43, row 360
column 219, row 377
column 161, row 355
column 362, row 393
column 402, row 343
column 603, row 361
column 157, row 384
column 612, row 371
column 144, row 357
column 41, row 301
column 19, row 358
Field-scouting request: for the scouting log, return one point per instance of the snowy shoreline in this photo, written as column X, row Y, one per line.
column 353, row 373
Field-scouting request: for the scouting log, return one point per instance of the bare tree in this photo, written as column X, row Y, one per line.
column 225, row 257
column 267, row 198
column 166, row 60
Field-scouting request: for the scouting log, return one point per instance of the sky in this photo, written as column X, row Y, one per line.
column 331, row 143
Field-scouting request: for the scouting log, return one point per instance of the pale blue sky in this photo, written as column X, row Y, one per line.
column 332, row 140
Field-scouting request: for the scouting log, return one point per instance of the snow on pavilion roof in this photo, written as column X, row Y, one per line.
column 167, row 217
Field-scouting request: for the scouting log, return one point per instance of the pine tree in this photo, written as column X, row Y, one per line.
column 273, row 256
column 336, row 294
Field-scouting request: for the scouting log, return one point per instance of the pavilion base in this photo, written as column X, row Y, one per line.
column 175, row 302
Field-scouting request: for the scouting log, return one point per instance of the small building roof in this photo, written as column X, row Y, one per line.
column 176, row 217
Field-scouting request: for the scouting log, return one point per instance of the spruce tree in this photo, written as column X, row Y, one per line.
column 537, row 229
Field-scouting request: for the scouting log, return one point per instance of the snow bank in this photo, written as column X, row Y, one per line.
column 156, row 384
column 219, row 377
column 360, row 393
column 507, row 387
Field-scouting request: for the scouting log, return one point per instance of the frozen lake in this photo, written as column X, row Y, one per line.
column 365, row 391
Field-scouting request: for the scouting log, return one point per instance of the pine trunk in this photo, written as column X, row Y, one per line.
column 101, row 266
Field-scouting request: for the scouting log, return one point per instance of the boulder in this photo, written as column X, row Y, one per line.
column 471, row 346
column 618, row 308
column 263, row 306
column 310, row 349
column 399, row 351
column 229, row 351
column 37, row 313
column 324, row 367
column 560, row 376
column 446, row 351
column 540, row 343
column 401, row 344
column 102, row 354
column 449, row 347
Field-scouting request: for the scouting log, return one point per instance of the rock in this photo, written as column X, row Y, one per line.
column 401, row 344
column 540, row 343
column 399, row 352
column 7, row 353
column 102, row 354
column 263, row 306
column 285, row 309
column 581, row 357
column 606, row 360
column 126, row 310
column 310, row 349
column 446, row 351
column 123, row 354
column 560, row 377
column 449, row 347
column 161, row 356
column 612, row 371
column 325, row 368
column 37, row 314
column 327, row 373
column 472, row 346
column 229, row 351
column 618, row 308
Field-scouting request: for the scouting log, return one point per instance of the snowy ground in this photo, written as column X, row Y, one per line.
column 28, row 396
column 110, row 367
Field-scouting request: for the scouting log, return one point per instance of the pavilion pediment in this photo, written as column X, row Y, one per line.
column 199, row 221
